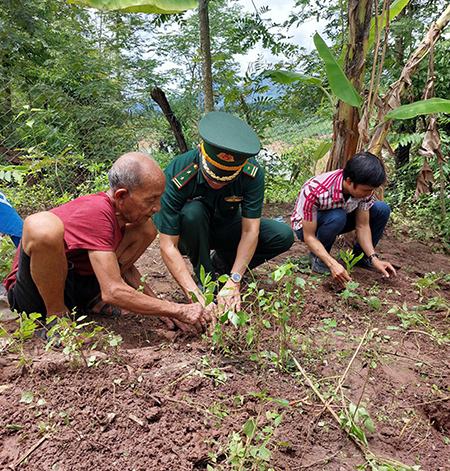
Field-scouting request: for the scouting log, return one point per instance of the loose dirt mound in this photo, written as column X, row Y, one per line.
column 169, row 402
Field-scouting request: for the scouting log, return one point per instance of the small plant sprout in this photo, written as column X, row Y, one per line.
column 78, row 338
column 356, row 421
column 349, row 293
column 350, row 259
column 15, row 341
column 142, row 282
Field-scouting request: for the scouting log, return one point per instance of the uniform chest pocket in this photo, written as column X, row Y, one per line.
column 230, row 204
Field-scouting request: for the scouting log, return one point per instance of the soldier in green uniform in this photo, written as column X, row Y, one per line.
column 213, row 201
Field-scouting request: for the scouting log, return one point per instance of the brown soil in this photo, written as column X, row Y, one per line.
column 171, row 403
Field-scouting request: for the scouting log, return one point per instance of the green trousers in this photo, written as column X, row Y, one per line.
column 202, row 232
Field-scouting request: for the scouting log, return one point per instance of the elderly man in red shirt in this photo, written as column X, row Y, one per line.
column 337, row 202
column 86, row 249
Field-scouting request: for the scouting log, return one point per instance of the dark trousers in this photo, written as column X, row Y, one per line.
column 23, row 296
column 332, row 222
column 201, row 232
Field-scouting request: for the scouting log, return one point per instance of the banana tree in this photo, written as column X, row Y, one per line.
column 139, row 6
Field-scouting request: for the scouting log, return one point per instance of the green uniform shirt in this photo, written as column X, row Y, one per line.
column 246, row 193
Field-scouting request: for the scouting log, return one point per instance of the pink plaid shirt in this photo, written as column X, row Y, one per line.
column 325, row 192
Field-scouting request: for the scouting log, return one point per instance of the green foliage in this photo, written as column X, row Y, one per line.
column 7, row 251
column 15, row 341
column 339, row 83
column 350, row 259
column 356, row 421
column 252, row 446
column 78, row 338
column 139, row 6
column 286, row 175
column 411, row 110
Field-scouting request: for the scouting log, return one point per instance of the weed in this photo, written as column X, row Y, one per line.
column 349, row 293
column 7, row 251
column 216, row 374
column 142, row 282
column 374, row 302
column 251, row 448
column 411, row 317
column 78, row 337
column 356, row 421
column 350, row 259
column 429, row 282
column 15, row 342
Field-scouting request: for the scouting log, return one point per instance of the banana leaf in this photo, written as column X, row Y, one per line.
column 339, row 83
column 287, row 77
column 395, row 9
column 431, row 106
column 140, row 6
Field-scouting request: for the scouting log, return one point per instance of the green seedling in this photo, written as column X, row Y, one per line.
column 78, row 338
column 349, row 292
column 15, row 341
column 356, row 421
column 429, row 282
column 142, row 282
column 374, row 302
column 252, row 447
column 350, row 259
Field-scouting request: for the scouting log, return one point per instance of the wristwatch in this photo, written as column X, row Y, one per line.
column 374, row 255
column 236, row 277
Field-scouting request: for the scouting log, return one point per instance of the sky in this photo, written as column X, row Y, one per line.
column 279, row 12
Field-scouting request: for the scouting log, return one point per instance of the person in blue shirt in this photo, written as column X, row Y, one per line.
column 10, row 222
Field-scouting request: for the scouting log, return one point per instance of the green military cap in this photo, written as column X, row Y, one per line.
column 227, row 144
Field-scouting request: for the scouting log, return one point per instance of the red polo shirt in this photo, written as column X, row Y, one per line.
column 90, row 223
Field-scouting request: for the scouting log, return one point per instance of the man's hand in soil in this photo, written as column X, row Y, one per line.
column 385, row 268
column 339, row 273
column 229, row 297
column 194, row 315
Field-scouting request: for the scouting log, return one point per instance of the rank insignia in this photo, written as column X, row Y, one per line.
column 185, row 176
column 250, row 169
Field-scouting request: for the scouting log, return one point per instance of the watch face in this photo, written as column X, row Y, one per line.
column 236, row 277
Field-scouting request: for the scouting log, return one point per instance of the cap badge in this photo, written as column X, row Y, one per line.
column 226, row 157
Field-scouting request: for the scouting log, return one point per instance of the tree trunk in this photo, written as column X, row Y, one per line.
column 205, row 50
column 392, row 98
column 346, row 118
column 159, row 96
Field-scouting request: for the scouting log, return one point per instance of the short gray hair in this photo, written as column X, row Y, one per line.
column 125, row 174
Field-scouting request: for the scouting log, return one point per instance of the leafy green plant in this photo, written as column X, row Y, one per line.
column 251, row 448
column 7, row 251
column 15, row 341
column 349, row 293
column 350, row 259
column 79, row 338
column 356, row 421
column 429, row 282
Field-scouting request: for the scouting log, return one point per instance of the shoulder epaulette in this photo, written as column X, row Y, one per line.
column 186, row 175
column 250, row 169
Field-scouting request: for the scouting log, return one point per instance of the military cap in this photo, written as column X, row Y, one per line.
column 227, row 144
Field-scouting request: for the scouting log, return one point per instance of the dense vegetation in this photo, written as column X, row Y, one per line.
column 75, row 92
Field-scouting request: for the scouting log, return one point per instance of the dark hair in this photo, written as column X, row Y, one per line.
column 365, row 168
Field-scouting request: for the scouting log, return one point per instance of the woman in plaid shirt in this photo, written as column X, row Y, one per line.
column 337, row 202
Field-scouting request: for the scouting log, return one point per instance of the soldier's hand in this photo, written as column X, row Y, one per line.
column 229, row 297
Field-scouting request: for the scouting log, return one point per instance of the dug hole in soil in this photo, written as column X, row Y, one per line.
column 170, row 403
